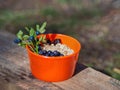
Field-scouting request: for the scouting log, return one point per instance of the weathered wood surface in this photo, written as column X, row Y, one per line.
column 15, row 72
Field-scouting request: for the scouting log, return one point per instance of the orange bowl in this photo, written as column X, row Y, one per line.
column 54, row 69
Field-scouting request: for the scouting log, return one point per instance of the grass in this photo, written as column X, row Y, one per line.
column 109, row 71
column 91, row 12
column 57, row 20
column 16, row 17
column 49, row 11
column 116, row 64
column 116, row 57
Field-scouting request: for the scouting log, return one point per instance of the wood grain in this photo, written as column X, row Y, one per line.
column 90, row 79
column 15, row 72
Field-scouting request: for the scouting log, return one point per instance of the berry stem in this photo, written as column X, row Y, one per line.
column 31, row 38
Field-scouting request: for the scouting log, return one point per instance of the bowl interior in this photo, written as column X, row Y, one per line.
column 69, row 41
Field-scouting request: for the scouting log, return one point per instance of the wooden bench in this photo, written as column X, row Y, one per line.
column 15, row 72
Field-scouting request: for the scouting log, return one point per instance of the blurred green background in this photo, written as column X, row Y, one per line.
column 95, row 23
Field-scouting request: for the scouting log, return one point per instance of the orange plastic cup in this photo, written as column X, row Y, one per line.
column 54, row 69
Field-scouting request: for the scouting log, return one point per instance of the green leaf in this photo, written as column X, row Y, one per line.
column 32, row 32
column 19, row 34
column 25, row 37
column 36, row 49
column 27, row 29
column 42, row 29
column 44, row 39
column 19, row 44
column 37, row 27
column 40, row 39
column 22, row 44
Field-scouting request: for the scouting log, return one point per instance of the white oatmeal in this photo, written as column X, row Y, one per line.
column 62, row 48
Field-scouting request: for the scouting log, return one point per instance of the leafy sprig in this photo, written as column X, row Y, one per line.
column 31, row 38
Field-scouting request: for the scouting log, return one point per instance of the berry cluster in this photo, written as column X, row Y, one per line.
column 34, row 43
column 30, row 38
column 49, row 52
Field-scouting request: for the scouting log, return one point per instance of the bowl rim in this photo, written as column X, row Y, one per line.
column 73, row 54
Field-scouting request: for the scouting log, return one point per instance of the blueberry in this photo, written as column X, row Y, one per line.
column 39, row 48
column 52, row 54
column 56, row 41
column 61, row 55
column 44, row 52
column 31, row 38
column 49, row 52
column 40, row 52
column 37, row 32
column 48, row 41
column 17, row 40
column 56, row 53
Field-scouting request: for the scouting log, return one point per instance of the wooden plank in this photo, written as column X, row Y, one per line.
column 90, row 79
column 15, row 72
column 8, row 86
